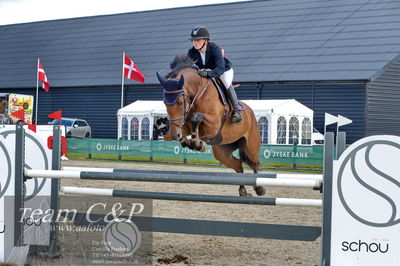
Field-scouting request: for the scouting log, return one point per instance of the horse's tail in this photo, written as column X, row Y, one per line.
column 244, row 158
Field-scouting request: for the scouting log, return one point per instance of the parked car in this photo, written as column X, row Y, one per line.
column 74, row 127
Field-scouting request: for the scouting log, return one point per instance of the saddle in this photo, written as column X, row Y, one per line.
column 217, row 139
column 223, row 94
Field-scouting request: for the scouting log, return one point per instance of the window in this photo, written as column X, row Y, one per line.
column 134, row 129
column 294, row 131
column 306, row 131
column 263, row 124
column 145, row 129
column 81, row 123
column 65, row 122
column 124, row 128
column 281, row 139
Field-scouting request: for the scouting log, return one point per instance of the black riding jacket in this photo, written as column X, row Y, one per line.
column 214, row 59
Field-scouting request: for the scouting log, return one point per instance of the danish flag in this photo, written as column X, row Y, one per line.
column 42, row 77
column 131, row 70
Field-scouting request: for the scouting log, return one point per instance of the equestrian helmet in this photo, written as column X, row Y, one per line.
column 199, row 32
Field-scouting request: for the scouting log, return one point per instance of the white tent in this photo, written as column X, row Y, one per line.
column 281, row 121
column 139, row 116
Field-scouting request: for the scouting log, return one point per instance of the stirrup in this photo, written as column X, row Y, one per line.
column 236, row 117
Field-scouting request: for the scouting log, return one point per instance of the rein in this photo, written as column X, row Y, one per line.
column 195, row 96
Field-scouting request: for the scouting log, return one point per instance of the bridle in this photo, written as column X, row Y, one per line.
column 182, row 117
column 186, row 111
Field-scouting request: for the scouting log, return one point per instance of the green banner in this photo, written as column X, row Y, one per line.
column 279, row 154
column 292, row 154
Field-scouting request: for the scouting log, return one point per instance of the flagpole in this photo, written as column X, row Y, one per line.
column 122, row 88
column 37, row 92
column 337, row 129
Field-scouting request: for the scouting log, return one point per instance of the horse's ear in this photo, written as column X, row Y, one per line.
column 181, row 81
column 161, row 78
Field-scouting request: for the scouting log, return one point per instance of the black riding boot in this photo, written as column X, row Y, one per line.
column 236, row 116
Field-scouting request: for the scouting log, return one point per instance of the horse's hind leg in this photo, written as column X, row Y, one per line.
column 223, row 153
column 250, row 153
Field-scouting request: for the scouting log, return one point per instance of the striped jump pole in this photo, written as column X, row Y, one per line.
column 207, row 178
column 191, row 197
column 261, row 175
column 113, row 170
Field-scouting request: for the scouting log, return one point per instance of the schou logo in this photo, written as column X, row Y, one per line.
column 361, row 246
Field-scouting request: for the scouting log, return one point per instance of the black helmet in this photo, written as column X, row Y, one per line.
column 199, row 32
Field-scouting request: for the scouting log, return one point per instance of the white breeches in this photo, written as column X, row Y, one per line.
column 227, row 78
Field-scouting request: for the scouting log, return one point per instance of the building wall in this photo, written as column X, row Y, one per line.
column 383, row 101
column 344, row 99
column 99, row 105
column 347, row 99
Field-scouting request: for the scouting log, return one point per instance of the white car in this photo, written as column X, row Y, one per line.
column 74, row 127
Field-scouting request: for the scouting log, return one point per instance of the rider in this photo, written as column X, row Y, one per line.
column 211, row 63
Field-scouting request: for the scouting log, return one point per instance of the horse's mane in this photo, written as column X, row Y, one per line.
column 180, row 62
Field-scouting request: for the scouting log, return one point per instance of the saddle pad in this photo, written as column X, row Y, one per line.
column 221, row 90
column 222, row 93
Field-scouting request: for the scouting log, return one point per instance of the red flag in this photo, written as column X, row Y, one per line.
column 56, row 115
column 223, row 52
column 42, row 77
column 32, row 127
column 20, row 114
column 131, row 71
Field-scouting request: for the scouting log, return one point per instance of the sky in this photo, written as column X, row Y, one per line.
column 21, row 11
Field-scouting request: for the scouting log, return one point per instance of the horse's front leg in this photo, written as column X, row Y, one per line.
column 197, row 118
column 195, row 141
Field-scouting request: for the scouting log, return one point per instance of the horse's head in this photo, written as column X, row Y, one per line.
column 174, row 100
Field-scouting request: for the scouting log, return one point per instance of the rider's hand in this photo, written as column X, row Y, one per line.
column 194, row 66
column 205, row 73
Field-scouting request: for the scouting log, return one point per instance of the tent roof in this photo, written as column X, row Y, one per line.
column 279, row 107
column 144, row 108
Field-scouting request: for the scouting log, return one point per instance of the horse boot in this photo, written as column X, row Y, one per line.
column 236, row 116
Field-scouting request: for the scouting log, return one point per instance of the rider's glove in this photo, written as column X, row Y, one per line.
column 205, row 73
column 194, row 66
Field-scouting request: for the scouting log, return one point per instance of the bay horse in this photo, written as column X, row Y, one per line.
column 195, row 109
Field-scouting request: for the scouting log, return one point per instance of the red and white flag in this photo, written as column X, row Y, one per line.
column 42, row 77
column 131, row 70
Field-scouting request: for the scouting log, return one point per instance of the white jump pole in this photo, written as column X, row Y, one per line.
column 183, row 178
column 191, row 197
column 113, row 170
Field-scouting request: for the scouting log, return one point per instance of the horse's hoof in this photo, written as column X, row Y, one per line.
column 203, row 147
column 200, row 146
column 246, row 194
column 242, row 192
column 260, row 191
